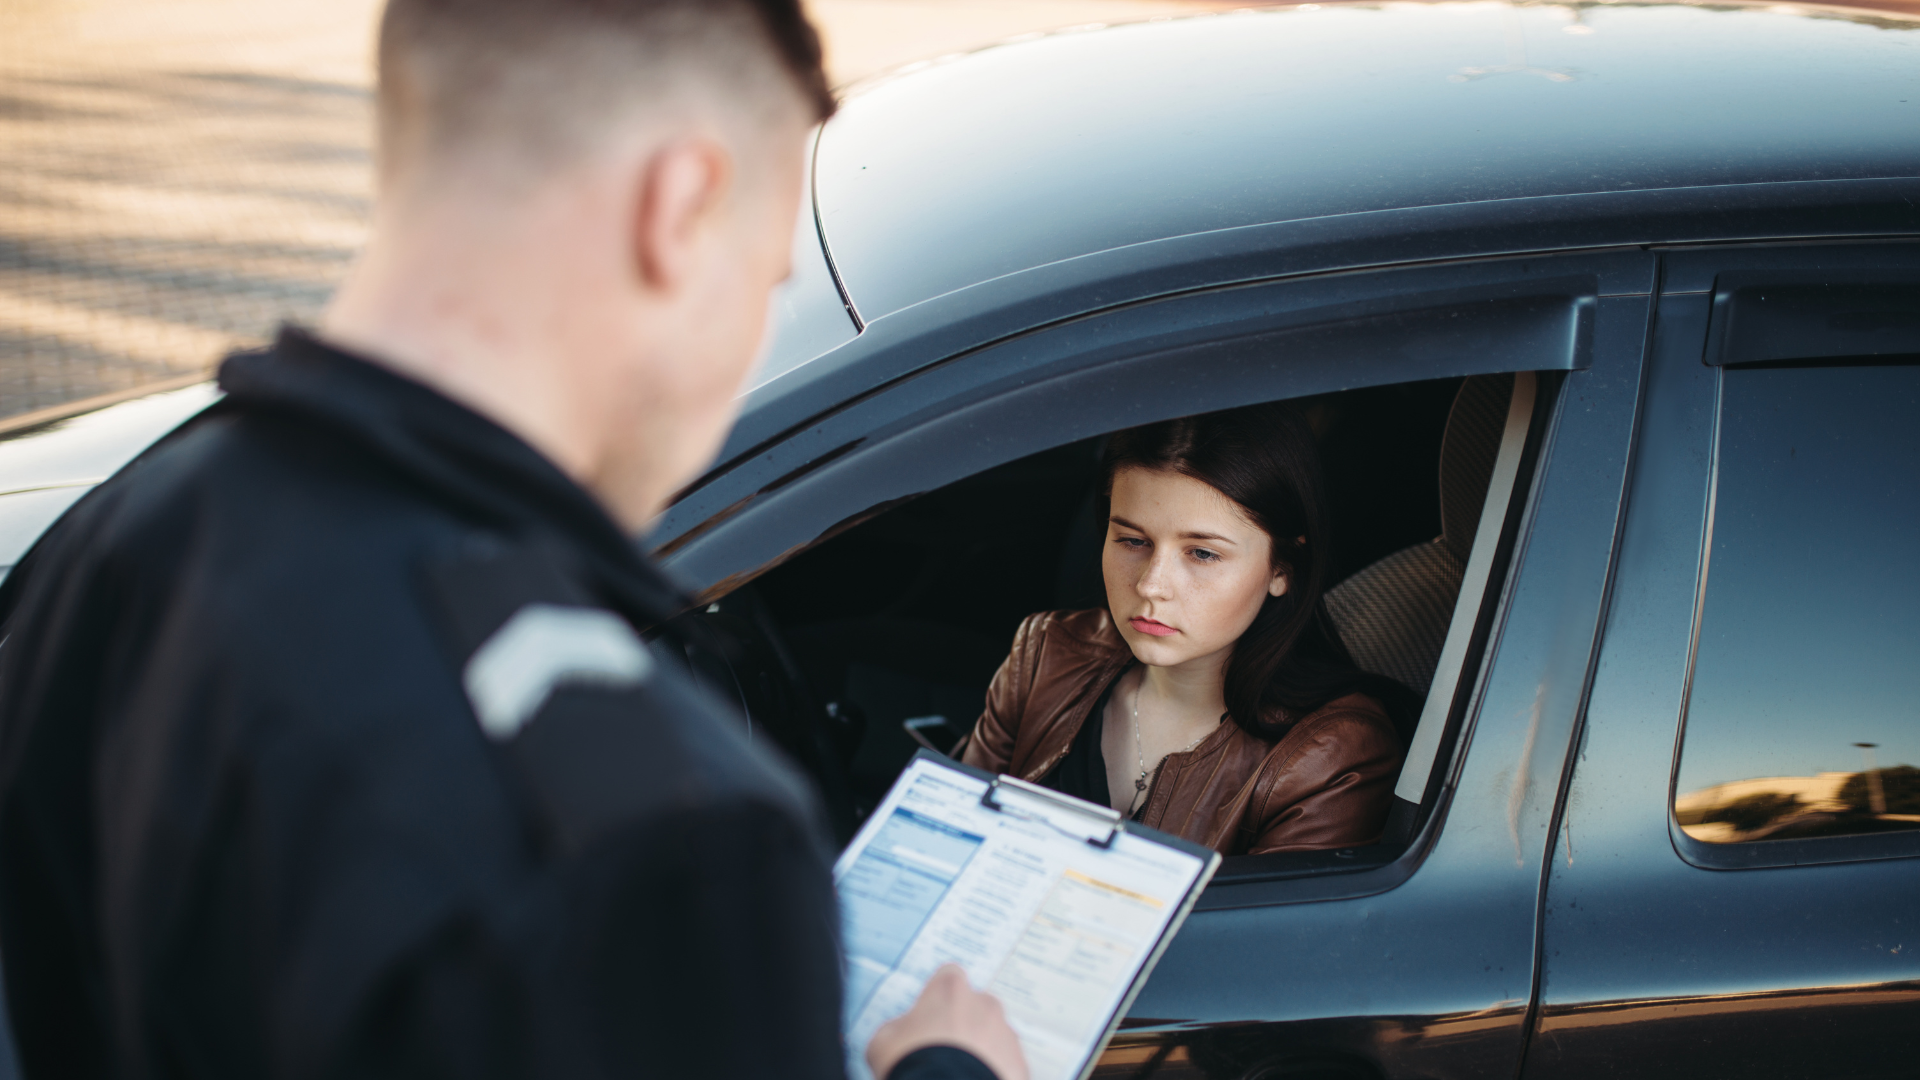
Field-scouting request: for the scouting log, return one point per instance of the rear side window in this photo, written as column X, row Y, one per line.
column 1803, row 718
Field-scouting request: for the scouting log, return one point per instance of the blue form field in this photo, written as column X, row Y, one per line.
column 888, row 892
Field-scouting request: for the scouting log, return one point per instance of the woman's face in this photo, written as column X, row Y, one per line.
column 1186, row 571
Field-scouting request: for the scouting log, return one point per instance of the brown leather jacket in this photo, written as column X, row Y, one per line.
column 1327, row 783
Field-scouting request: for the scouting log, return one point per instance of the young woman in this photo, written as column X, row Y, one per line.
column 1212, row 699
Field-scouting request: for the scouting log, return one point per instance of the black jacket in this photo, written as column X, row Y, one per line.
column 328, row 747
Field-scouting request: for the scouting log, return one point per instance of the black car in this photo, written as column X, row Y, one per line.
column 1607, row 317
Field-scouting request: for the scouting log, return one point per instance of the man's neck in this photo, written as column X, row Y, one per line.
column 473, row 313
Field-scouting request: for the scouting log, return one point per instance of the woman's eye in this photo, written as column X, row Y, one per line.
column 1130, row 541
column 1204, row 555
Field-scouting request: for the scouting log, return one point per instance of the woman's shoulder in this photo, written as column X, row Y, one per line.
column 1350, row 735
column 1052, row 644
column 1090, row 626
column 1356, row 721
column 1056, row 657
column 1358, row 705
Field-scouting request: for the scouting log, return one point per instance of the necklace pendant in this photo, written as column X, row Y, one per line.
column 1139, row 783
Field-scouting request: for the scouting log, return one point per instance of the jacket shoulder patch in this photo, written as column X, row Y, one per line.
column 543, row 647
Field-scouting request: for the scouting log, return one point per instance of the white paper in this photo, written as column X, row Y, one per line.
column 1051, row 924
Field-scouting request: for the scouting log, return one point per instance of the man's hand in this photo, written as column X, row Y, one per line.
column 950, row 1012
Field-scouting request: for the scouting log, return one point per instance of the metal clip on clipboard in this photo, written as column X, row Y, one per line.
column 1097, row 825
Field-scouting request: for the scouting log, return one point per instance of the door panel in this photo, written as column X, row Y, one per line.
column 1424, row 967
column 1655, row 964
column 1432, row 975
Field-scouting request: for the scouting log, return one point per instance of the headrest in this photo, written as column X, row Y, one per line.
column 1467, row 452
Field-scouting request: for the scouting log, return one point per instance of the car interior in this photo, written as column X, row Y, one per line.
column 858, row 652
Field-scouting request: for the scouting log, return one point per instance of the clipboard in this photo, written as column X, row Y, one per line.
column 1059, row 906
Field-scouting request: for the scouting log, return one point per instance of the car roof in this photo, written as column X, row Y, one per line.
column 46, row 469
column 1032, row 153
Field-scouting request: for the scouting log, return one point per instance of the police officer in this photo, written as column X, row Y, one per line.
column 328, row 742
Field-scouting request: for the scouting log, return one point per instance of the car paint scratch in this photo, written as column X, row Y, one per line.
column 1523, row 776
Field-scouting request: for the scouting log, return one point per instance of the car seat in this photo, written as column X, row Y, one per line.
column 1393, row 615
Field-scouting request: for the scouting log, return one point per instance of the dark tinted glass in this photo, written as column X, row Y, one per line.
column 1804, row 718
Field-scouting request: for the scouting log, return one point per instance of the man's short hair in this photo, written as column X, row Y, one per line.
column 544, row 79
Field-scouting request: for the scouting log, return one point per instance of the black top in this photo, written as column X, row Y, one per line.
column 1083, row 772
column 328, row 746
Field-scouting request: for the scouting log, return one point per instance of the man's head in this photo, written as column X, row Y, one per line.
column 584, row 207
column 519, row 86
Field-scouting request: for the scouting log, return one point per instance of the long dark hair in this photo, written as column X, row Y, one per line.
column 1290, row 661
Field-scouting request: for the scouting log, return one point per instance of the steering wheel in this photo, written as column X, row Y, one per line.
column 736, row 647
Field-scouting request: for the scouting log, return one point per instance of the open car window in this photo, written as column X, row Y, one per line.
column 867, row 569
column 892, row 629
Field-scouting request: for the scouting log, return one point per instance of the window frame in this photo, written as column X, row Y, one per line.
column 1226, row 335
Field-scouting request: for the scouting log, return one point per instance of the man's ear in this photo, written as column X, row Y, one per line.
column 682, row 189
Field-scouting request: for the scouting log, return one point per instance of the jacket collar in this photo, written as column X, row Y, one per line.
column 460, row 456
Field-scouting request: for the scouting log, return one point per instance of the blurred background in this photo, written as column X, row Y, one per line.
column 178, row 176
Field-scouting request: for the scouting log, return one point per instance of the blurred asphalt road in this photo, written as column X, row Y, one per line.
column 178, row 176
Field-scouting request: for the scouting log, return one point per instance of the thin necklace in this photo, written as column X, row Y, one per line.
column 1140, row 753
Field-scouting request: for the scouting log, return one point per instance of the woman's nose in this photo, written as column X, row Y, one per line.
column 1154, row 583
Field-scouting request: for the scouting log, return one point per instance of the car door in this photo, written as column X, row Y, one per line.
column 1413, row 957
column 1735, row 888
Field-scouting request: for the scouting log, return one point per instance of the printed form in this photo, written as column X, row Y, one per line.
column 1058, row 928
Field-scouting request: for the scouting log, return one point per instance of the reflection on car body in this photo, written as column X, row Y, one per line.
column 1636, row 833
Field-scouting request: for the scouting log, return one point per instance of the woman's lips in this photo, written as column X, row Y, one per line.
column 1151, row 626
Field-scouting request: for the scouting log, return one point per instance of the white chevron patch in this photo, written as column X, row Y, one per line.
column 543, row 647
